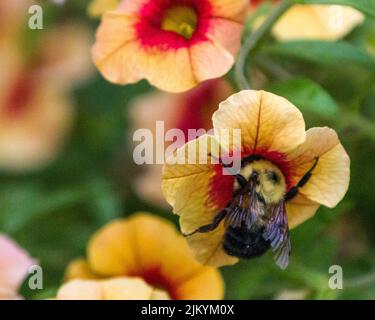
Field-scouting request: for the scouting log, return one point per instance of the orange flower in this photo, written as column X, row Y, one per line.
column 173, row 44
column 184, row 111
column 321, row 22
column 149, row 248
column 276, row 148
column 36, row 112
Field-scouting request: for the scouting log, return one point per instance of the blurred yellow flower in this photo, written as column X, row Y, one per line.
column 314, row 22
column 98, row 7
column 272, row 134
column 173, row 44
column 149, row 248
column 184, row 111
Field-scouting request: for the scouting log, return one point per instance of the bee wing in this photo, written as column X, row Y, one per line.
column 277, row 232
column 244, row 210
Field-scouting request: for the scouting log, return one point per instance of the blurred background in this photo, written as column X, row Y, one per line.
column 66, row 164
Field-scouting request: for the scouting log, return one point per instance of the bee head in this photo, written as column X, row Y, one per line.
column 267, row 178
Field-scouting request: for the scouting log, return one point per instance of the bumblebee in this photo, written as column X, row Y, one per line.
column 255, row 219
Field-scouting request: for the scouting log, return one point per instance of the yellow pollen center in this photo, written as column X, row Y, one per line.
column 181, row 20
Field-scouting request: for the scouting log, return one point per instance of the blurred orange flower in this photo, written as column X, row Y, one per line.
column 184, row 111
column 319, row 22
column 273, row 132
column 143, row 247
column 173, row 44
column 35, row 109
column 14, row 267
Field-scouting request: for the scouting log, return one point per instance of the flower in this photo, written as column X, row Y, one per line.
column 316, row 22
column 122, row 288
column 173, row 44
column 273, row 131
column 14, row 266
column 98, row 7
column 184, row 111
column 146, row 247
column 36, row 112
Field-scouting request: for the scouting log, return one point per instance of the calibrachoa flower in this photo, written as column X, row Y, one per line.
column 122, row 288
column 323, row 22
column 14, row 266
column 183, row 111
column 35, row 109
column 149, row 248
column 173, row 44
column 98, row 7
column 286, row 174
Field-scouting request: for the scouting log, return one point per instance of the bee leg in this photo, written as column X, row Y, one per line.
column 294, row 190
column 241, row 180
column 210, row 227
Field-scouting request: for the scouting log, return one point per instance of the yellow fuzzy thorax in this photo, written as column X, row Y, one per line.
column 272, row 191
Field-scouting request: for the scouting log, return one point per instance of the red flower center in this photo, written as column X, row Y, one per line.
column 19, row 96
column 173, row 24
column 157, row 280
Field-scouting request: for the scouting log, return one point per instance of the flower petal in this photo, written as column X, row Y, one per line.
column 224, row 39
column 233, row 9
column 204, row 66
column 299, row 209
column 114, row 289
column 330, row 179
column 111, row 252
column 99, row 7
column 113, row 50
column 205, row 285
column 79, row 269
column 267, row 121
column 316, row 22
column 14, row 266
column 187, row 188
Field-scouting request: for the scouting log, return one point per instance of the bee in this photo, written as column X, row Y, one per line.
column 255, row 219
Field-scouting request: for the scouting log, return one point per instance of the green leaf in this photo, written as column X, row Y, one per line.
column 307, row 95
column 324, row 52
column 19, row 204
column 366, row 6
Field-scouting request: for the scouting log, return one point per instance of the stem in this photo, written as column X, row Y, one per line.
column 361, row 281
column 253, row 41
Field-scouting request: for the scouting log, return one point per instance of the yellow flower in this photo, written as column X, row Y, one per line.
column 314, row 22
column 149, row 248
column 317, row 22
column 98, row 7
column 273, row 142
column 173, row 44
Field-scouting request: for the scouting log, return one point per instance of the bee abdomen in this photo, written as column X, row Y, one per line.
column 246, row 243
